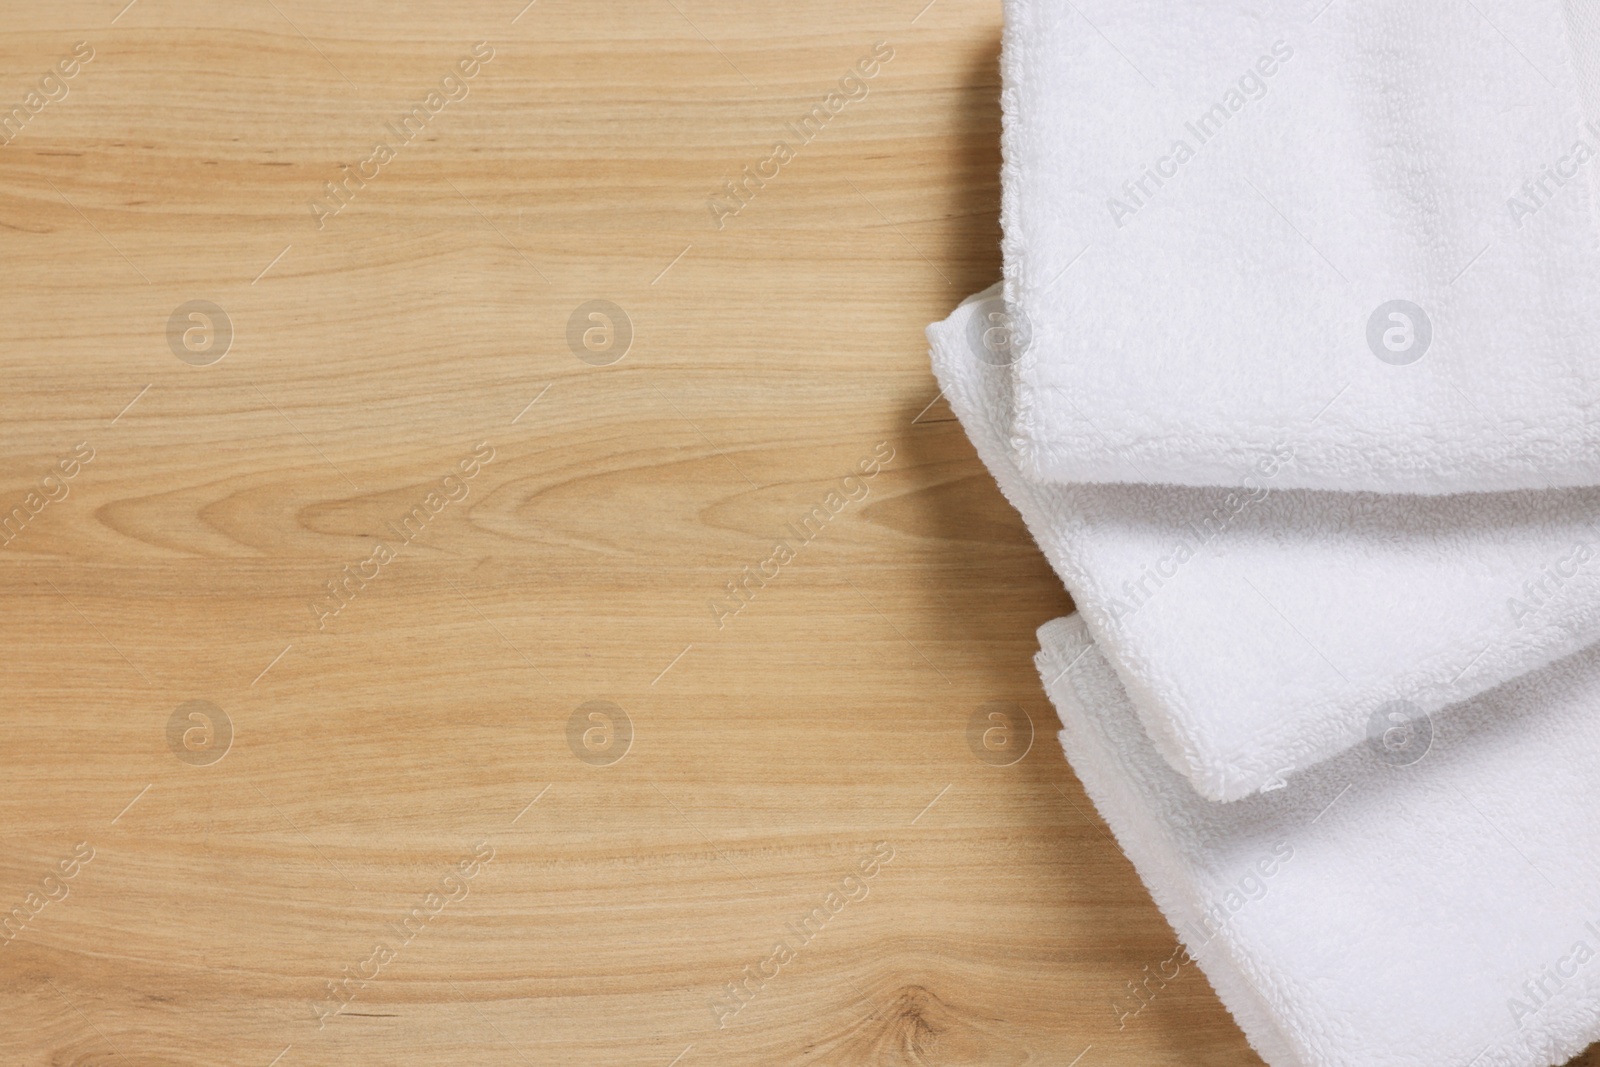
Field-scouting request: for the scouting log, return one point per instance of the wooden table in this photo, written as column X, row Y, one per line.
column 398, row 649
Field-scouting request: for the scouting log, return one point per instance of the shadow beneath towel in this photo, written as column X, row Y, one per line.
column 1000, row 589
column 971, row 254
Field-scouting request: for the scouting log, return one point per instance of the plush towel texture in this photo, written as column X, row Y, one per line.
column 1374, row 913
column 1583, row 30
column 1258, row 631
column 1364, row 230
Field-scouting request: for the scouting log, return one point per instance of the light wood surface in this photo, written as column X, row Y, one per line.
column 376, row 752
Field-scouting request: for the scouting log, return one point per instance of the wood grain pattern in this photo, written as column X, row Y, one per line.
column 377, row 751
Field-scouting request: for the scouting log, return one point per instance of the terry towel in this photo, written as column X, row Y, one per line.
column 1259, row 631
column 1374, row 913
column 1363, row 229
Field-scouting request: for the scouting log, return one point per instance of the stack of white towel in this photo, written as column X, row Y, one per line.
column 1295, row 378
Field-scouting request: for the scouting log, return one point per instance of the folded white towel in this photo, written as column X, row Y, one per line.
column 1445, row 913
column 1260, row 631
column 1363, row 229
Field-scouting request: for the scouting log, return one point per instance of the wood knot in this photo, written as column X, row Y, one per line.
column 917, row 1028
